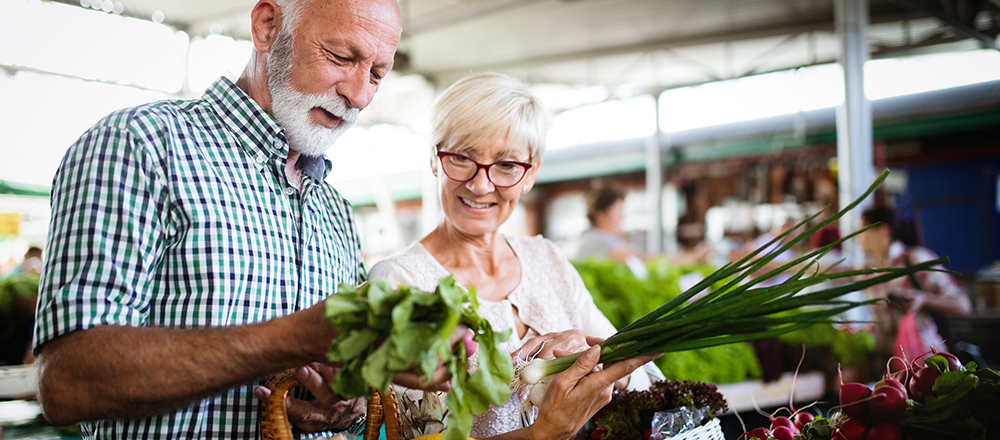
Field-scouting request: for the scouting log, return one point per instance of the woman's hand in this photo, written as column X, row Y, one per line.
column 575, row 395
column 327, row 411
column 544, row 346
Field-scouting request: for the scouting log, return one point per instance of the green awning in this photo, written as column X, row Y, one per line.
column 23, row 189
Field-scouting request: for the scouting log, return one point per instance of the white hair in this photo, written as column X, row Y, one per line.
column 488, row 106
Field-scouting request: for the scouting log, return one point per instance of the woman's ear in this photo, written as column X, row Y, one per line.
column 529, row 179
column 434, row 166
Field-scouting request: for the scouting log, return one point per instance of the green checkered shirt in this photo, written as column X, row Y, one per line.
column 178, row 214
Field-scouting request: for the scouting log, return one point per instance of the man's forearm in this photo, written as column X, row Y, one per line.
column 127, row 372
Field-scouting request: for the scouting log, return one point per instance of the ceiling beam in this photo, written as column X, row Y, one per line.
column 951, row 20
column 822, row 25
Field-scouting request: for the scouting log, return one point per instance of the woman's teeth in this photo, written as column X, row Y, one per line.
column 472, row 204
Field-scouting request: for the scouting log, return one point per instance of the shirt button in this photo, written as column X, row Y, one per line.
column 260, row 159
column 289, row 191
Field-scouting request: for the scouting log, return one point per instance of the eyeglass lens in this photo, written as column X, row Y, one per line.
column 462, row 168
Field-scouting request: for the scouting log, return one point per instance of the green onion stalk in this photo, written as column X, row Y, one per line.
column 743, row 310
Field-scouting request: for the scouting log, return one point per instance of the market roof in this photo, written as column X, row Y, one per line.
column 644, row 44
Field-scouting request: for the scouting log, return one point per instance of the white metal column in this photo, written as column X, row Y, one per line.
column 654, row 185
column 855, row 164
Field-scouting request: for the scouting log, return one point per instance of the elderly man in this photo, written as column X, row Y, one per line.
column 192, row 242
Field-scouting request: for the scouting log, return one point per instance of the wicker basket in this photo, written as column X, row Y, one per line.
column 709, row 431
column 274, row 416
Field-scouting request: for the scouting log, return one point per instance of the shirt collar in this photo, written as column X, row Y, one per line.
column 261, row 136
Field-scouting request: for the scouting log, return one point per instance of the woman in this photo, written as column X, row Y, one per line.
column 925, row 294
column 487, row 133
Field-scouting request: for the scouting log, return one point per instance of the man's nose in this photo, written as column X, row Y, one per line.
column 480, row 183
column 357, row 88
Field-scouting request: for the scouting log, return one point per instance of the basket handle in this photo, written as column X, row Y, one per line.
column 274, row 424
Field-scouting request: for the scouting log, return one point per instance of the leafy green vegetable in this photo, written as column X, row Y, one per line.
column 383, row 330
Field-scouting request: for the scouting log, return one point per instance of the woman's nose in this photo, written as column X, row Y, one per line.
column 480, row 183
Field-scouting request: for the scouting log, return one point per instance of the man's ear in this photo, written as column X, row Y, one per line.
column 264, row 19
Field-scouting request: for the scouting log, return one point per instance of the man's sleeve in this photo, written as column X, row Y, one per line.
column 104, row 235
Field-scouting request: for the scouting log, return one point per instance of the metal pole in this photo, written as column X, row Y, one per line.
column 854, row 117
column 654, row 185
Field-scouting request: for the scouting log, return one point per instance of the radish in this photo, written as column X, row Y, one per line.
column 598, row 434
column 953, row 363
column 888, row 403
column 783, row 433
column 801, row 419
column 885, row 431
column 852, row 429
column 891, row 383
column 759, row 433
column 781, row 421
column 922, row 383
column 852, row 399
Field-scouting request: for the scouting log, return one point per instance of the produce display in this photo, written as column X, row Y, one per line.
column 740, row 309
column 630, row 414
column 623, row 299
column 382, row 330
column 934, row 398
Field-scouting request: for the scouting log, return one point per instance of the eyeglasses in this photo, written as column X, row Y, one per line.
column 503, row 174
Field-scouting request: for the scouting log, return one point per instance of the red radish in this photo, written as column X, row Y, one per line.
column 852, row 429
column 781, row 421
column 922, row 383
column 885, row 431
column 852, row 399
column 953, row 363
column 887, row 404
column 783, row 433
column 598, row 434
column 801, row 419
column 759, row 433
column 891, row 383
column 647, row 434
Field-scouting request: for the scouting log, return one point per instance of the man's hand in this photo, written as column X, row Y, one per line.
column 327, row 411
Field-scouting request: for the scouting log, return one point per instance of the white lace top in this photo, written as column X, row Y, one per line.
column 550, row 297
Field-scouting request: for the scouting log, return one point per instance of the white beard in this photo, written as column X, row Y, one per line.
column 291, row 107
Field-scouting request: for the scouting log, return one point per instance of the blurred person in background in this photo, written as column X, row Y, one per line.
column 926, row 294
column 32, row 263
column 604, row 240
column 487, row 138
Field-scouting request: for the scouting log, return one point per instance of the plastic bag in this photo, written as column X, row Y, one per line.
column 908, row 340
column 667, row 424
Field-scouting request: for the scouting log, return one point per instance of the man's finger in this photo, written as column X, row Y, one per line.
column 314, row 382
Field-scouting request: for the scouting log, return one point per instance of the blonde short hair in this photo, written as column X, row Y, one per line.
column 488, row 106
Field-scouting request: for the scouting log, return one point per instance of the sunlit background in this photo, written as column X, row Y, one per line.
column 66, row 66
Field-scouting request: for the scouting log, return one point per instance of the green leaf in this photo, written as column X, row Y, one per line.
column 949, row 388
column 938, row 363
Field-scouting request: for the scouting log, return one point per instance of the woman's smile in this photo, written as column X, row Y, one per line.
column 475, row 205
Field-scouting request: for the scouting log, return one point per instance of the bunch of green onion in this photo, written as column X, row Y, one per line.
column 741, row 310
